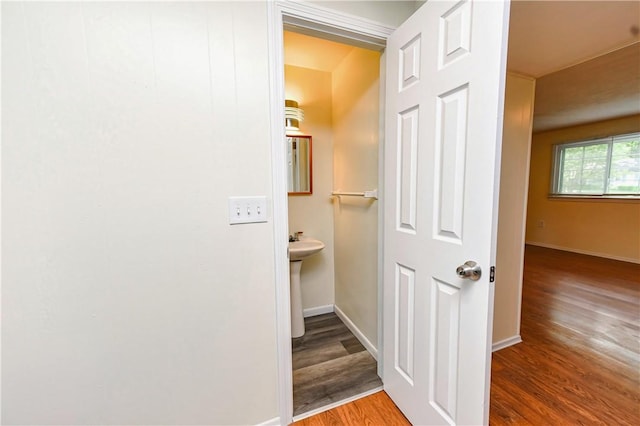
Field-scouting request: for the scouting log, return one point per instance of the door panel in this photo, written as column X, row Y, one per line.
column 445, row 323
column 444, row 94
column 407, row 155
column 405, row 321
column 450, row 148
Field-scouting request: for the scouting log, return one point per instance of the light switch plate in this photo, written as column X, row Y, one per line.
column 247, row 210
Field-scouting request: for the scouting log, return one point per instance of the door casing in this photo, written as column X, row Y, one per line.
column 335, row 26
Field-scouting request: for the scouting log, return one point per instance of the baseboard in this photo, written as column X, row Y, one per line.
column 588, row 253
column 505, row 343
column 317, row 310
column 336, row 404
column 273, row 422
column 356, row 332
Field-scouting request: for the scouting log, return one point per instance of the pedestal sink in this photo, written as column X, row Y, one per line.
column 298, row 251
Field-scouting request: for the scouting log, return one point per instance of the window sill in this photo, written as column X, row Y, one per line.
column 590, row 198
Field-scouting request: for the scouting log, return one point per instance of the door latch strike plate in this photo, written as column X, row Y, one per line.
column 492, row 274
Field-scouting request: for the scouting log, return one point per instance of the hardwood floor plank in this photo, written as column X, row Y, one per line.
column 379, row 409
column 314, row 356
column 352, row 345
column 374, row 410
column 332, row 381
column 319, row 331
column 329, row 365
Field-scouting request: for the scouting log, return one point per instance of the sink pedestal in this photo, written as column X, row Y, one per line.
column 299, row 250
column 297, row 319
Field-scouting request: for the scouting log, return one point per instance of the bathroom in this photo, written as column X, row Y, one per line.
column 337, row 87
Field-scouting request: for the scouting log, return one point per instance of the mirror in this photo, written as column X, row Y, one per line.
column 299, row 158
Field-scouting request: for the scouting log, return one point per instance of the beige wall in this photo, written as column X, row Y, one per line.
column 127, row 298
column 607, row 228
column 313, row 214
column 514, row 175
column 355, row 123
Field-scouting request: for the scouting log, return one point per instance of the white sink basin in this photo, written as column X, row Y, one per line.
column 299, row 250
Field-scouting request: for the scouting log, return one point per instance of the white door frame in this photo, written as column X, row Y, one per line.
column 338, row 27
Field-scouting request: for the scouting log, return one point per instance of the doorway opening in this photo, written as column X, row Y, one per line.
column 337, row 86
column 336, row 27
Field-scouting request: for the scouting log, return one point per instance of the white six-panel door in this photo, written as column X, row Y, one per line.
column 443, row 121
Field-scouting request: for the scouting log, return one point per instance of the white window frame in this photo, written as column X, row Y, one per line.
column 556, row 171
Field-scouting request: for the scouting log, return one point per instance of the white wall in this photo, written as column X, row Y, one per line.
column 127, row 297
column 313, row 214
column 389, row 12
column 356, row 106
column 514, row 182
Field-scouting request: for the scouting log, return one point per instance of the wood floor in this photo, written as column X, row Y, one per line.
column 579, row 362
column 329, row 365
column 373, row 410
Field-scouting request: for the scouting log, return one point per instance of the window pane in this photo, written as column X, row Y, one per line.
column 624, row 176
column 594, row 169
column 571, row 170
column 607, row 166
column 584, row 168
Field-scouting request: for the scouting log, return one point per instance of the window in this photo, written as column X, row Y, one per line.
column 602, row 167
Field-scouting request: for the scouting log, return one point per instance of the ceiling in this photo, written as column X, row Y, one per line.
column 546, row 36
column 603, row 88
column 585, row 56
column 560, row 43
column 315, row 53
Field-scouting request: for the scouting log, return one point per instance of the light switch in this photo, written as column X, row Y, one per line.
column 247, row 210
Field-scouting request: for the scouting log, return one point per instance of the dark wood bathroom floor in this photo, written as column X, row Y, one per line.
column 329, row 365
